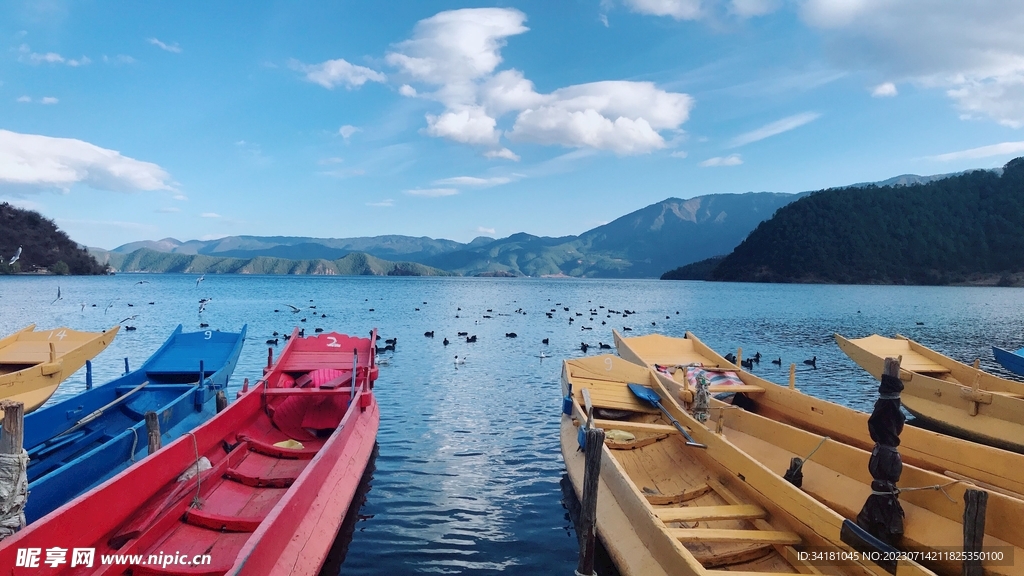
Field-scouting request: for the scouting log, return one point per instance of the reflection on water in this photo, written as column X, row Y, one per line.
column 603, row 564
column 336, row 556
column 468, row 474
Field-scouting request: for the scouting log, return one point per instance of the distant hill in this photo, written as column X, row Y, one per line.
column 353, row 264
column 638, row 245
column 700, row 270
column 960, row 229
column 44, row 247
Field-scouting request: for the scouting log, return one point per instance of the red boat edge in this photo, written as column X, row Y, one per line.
column 263, row 509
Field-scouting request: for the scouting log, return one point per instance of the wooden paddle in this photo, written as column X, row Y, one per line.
column 651, row 397
column 99, row 411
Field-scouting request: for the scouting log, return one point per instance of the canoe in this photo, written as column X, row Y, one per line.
column 277, row 470
column 837, row 475
column 993, row 468
column 33, row 363
column 963, row 400
column 1012, row 361
column 79, row 442
column 666, row 508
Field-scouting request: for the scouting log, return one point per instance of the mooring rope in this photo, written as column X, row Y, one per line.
column 939, row 487
column 135, row 442
column 820, row 444
column 197, row 502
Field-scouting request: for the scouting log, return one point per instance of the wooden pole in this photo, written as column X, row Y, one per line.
column 587, row 530
column 126, row 369
column 792, row 376
column 222, row 401
column 739, row 357
column 53, row 352
column 153, row 431
column 975, row 502
column 88, row 374
column 14, row 427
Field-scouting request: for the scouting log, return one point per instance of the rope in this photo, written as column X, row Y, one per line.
column 820, row 444
column 135, row 442
column 939, row 487
column 197, row 502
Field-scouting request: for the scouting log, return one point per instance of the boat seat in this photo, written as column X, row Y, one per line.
column 735, row 389
column 699, row 513
column 726, row 535
column 268, row 449
column 259, row 481
column 222, row 522
column 611, row 395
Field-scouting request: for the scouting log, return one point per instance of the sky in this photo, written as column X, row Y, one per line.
column 127, row 121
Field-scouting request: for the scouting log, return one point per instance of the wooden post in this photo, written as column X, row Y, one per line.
column 88, row 374
column 14, row 427
column 975, row 502
column 792, row 376
column 222, row 401
column 153, row 431
column 587, row 530
column 977, row 363
column 739, row 357
column 53, row 352
column 245, row 388
column 126, row 369
column 270, row 359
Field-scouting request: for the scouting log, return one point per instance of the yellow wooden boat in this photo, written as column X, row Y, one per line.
column 837, row 473
column 666, row 508
column 33, row 363
column 991, row 468
column 953, row 396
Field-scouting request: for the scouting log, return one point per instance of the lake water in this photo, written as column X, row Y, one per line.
column 467, row 476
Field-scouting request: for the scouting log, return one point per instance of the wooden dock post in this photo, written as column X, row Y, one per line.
column 222, row 401
column 792, row 376
column 11, row 446
column 882, row 515
column 126, row 369
column 587, row 530
column 153, row 431
column 975, row 502
column 88, row 374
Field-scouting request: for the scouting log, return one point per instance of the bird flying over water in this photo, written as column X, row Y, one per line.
column 109, row 306
column 143, row 282
column 14, row 258
column 58, row 297
column 294, row 309
column 200, row 279
column 132, row 317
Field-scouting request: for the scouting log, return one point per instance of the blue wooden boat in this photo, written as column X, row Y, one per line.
column 78, row 443
column 1012, row 361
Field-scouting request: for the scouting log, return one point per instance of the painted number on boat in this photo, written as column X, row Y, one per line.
column 333, row 342
column 207, row 335
column 608, row 364
column 60, row 335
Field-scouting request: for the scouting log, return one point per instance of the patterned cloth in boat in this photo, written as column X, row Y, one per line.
column 714, row 377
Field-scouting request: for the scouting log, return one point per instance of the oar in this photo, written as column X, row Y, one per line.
column 651, row 397
column 99, row 411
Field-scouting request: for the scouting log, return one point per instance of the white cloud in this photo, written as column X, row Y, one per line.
column 37, row 162
column 330, row 161
column 730, row 160
column 168, row 47
column 24, row 99
column 456, row 55
column 1002, row 149
column 487, row 231
column 407, row 91
column 48, row 100
column 604, row 19
column 120, row 59
column 209, row 215
column 168, row 210
column 774, row 128
column 49, row 58
column 382, row 204
column 679, row 154
column 884, row 90
column 347, row 131
column 473, row 181
column 502, row 153
column 678, row 9
column 180, row 197
column 432, row 192
column 334, row 73
column 972, row 50
column 79, row 62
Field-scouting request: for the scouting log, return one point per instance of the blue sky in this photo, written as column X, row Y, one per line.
column 128, row 121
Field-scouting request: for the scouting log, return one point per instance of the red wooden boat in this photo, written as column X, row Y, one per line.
column 279, row 468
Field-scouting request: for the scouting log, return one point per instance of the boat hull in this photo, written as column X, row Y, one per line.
column 942, row 392
column 994, row 468
column 30, row 374
column 1012, row 361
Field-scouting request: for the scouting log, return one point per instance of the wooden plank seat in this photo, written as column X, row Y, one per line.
column 735, row 389
column 259, row 481
column 738, row 555
column 697, row 513
column 222, row 522
column 726, row 535
column 345, row 391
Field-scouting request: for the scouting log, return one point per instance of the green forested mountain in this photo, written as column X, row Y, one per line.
column 353, row 264
column 44, row 247
column 954, row 230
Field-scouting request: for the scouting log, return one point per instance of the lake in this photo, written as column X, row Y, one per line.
column 467, row 476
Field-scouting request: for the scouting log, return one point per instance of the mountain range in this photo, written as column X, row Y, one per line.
column 642, row 244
